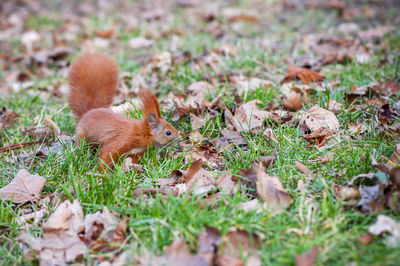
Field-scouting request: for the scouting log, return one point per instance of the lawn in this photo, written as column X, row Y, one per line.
column 243, row 50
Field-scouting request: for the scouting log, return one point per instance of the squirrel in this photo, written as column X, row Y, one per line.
column 93, row 81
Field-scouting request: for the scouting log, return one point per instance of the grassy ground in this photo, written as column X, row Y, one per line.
column 332, row 226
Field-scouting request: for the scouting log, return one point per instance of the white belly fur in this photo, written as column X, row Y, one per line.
column 134, row 151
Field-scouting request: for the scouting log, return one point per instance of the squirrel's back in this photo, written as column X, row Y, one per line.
column 93, row 81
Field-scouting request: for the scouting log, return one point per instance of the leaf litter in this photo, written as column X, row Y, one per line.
column 207, row 175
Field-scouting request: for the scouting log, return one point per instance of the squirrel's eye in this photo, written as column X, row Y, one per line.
column 167, row 132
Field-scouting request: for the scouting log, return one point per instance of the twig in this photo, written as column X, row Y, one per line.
column 19, row 145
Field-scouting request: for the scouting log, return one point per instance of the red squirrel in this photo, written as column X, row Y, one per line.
column 93, row 81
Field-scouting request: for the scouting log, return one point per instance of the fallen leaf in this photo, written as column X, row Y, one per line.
column 60, row 242
column 177, row 254
column 7, row 118
column 317, row 118
column 67, row 234
column 347, row 193
column 229, row 140
column 24, row 187
column 368, row 195
column 302, row 168
column 338, row 49
column 269, row 134
column 366, row 239
column 249, row 116
column 293, row 101
column 240, row 242
column 305, row 75
column 249, row 178
column 226, row 184
column 105, row 33
column 199, row 88
column 140, row 42
column 385, row 224
column 161, row 62
column 308, row 258
column 270, row 190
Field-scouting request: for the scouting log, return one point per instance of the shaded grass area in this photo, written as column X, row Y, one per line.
column 325, row 221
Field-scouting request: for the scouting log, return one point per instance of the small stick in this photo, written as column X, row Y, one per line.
column 19, row 145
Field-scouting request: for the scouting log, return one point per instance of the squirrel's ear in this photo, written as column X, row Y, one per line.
column 152, row 120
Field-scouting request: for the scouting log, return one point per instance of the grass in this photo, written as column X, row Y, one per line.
column 328, row 223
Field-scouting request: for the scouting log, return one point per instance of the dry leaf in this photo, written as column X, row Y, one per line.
column 347, row 193
column 7, row 117
column 302, row 168
column 67, row 233
column 239, row 242
column 229, row 140
column 385, row 224
column 293, row 101
column 199, row 180
column 24, row 187
column 317, row 118
column 199, row 88
column 140, row 42
column 270, row 190
column 177, row 254
column 105, row 33
column 308, row 258
column 249, row 116
column 304, row 74
column 226, row 184
column 269, row 134
column 60, row 242
column 161, row 62
column 366, row 239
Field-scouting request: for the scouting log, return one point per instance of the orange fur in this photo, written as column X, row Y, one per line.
column 150, row 103
column 93, row 80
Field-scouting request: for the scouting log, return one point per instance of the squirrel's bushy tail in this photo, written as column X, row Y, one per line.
column 93, row 81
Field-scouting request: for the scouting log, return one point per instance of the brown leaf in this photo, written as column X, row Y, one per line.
column 60, row 242
column 7, row 117
column 305, row 75
column 208, row 243
column 225, row 260
column 226, row 184
column 302, row 168
column 229, row 140
column 198, row 179
column 308, row 258
column 266, row 160
column 177, row 254
column 366, row 239
column 105, row 33
column 24, row 187
column 270, row 190
column 320, row 122
column 338, row 49
column 250, row 177
column 240, row 242
column 347, row 193
column 292, row 101
column 199, row 88
column 248, row 116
